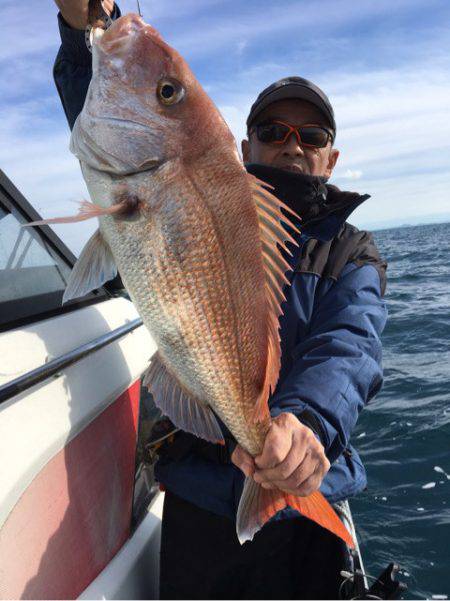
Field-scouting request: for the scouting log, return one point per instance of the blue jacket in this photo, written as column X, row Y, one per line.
column 330, row 331
column 331, row 351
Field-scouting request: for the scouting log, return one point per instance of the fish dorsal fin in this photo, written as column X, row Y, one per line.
column 94, row 267
column 185, row 411
column 272, row 234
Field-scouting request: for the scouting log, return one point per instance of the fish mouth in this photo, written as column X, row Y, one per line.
column 122, row 31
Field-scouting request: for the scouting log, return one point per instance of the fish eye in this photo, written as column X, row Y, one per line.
column 169, row 91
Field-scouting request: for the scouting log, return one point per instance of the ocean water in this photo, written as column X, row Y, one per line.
column 404, row 434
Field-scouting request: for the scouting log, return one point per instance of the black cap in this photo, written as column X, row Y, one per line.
column 293, row 87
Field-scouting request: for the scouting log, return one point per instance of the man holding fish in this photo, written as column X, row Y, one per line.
column 268, row 336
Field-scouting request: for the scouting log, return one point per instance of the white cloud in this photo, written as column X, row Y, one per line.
column 241, row 46
column 154, row 10
column 27, row 29
column 34, row 154
column 353, row 174
column 207, row 34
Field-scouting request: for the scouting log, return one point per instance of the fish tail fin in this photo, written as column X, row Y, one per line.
column 258, row 505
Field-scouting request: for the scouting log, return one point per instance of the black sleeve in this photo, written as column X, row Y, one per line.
column 72, row 70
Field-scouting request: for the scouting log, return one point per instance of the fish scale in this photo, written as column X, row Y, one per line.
column 202, row 287
column 251, row 435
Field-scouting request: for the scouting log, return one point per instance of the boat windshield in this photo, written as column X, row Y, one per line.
column 32, row 275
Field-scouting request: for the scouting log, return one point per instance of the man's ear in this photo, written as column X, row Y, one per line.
column 245, row 147
column 332, row 160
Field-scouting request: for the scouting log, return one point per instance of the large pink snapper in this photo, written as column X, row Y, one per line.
column 194, row 238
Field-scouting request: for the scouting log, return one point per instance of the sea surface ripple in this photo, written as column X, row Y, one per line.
column 403, row 435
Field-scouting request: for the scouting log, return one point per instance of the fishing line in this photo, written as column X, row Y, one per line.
column 139, row 8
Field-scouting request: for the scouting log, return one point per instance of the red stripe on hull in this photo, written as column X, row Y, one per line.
column 75, row 515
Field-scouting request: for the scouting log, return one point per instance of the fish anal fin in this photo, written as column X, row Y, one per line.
column 258, row 505
column 94, row 267
column 273, row 237
column 185, row 411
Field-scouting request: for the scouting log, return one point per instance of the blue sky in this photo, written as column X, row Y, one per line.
column 384, row 64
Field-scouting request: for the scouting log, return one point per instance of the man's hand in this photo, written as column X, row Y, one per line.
column 78, row 13
column 292, row 459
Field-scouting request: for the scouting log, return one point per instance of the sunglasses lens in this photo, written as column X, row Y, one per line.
column 271, row 132
column 314, row 136
column 277, row 132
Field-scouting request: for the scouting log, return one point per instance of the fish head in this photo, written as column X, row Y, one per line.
column 144, row 106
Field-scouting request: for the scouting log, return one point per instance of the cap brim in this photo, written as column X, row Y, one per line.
column 293, row 91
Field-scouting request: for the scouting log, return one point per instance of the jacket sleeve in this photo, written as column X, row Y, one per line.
column 72, row 70
column 337, row 366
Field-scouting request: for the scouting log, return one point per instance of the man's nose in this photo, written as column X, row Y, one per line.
column 292, row 146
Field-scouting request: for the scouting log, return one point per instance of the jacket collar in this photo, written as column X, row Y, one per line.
column 323, row 208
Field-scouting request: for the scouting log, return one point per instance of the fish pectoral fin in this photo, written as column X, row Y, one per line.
column 185, row 411
column 87, row 210
column 94, row 267
column 257, row 505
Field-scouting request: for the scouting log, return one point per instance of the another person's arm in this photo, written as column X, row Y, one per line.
column 72, row 70
column 336, row 371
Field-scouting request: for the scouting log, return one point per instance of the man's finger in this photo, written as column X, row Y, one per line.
column 108, row 6
column 308, row 466
column 96, row 9
column 286, row 468
column 309, row 485
column 277, row 445
column 268, row 486
column 243, row 460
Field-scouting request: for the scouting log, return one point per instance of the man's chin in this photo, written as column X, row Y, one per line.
column 291, row 168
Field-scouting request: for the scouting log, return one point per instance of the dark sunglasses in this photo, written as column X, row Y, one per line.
column 277, row 132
